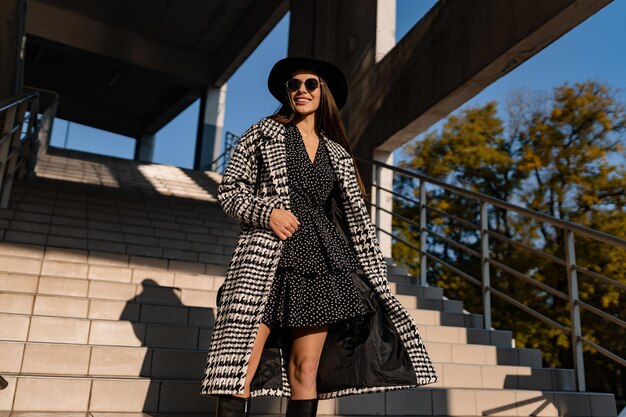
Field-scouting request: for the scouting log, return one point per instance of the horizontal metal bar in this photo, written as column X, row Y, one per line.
column 601, row 313
column 14, row 101
column 530, row 311
column 10, row 134
column 453, row 217
column 453, row 243
column 603, row 351
column 577, row 228
column 397, row 194
column 453, row 269
column 13, row 153
column 525, row 246
column 398, row 216
column 529, row 279
column 398, row 238
column 592, row 274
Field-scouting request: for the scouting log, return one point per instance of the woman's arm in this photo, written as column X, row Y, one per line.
column 235, row 192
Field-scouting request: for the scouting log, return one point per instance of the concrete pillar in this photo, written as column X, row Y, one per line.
column 381, row 217
column 210, row 127
column 343, row 32
column 385, row 41
column 355, row 35
column 385, row 28
column 144, row 148
column 12, row 41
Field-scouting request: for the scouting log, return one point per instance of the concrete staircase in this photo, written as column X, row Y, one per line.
column 108, row 276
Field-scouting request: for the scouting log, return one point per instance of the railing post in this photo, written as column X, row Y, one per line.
column 484, row 263
column 377, row 200
column 423, row 248
column 574, row 309
column 9, row 151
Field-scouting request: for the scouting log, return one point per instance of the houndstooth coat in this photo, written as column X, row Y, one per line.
column 252, row 268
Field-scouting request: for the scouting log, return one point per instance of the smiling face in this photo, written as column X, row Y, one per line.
column 305, row 102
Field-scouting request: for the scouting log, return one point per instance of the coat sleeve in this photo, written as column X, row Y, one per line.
column 235, row 192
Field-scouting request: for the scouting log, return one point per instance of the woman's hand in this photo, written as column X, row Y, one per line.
column 284, row 223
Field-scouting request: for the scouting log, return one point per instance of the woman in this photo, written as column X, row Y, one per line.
column 305, row 311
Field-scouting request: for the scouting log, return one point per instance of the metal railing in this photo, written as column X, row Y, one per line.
column 484, row 256
column 23, row 130
column 219, row 163
column 18, row 143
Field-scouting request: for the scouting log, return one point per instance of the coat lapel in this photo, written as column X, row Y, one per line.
column 274, row 156
column 335, row 157
column 272, row 148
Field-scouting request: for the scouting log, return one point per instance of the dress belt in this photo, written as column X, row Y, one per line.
column 328, row 237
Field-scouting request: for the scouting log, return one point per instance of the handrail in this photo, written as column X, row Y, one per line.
column 573, row 330
column 20, row 138
column 14, row 101
column 583, row 230
column 231, row 140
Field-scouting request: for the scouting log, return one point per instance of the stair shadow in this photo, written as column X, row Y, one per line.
column 104, row 170
column 533, row 402
column 176, row 339
column 130, row 174
column 140, row 225
column 202, row 180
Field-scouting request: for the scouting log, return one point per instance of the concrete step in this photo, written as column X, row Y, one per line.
column 483, row 354
column 90, row 203
column 128, row 245
column 16, row 327
column 406, row 279
column 411, row 301
column 16, row 357
column 47, row 191
column 56, row 262
column 435, row 293
column 34, row 393
column 141, row 361
column 153, row 304
column 32, row 258
column 137, row 310
column 98, row 219
column 26, row 327
column 396, row 269
column 90, row 289
column 140, row 178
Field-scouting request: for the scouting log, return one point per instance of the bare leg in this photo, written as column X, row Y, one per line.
column 255, row 357
column 306, row 349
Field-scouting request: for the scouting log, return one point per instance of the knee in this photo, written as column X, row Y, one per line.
column 304, row 370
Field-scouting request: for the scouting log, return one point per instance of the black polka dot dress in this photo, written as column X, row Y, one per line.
column 313, row 283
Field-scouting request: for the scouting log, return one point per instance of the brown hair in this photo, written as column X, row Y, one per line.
column 328, row 119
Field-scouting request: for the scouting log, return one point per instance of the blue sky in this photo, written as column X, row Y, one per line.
column 596, row 49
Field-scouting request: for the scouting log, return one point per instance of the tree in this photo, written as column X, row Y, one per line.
column 562, row 156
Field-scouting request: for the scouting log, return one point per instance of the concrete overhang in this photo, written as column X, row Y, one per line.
column 131, row 66
column 455, row 51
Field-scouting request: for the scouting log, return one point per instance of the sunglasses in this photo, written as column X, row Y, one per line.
column 310, row 83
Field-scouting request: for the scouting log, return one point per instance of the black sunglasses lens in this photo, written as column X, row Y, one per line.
column 311, row 84
column 294, row 84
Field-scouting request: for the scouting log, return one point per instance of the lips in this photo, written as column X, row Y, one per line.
column 301, row 100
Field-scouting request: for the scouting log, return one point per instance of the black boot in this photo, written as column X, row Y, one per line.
column 301, row 408
column 231, row 406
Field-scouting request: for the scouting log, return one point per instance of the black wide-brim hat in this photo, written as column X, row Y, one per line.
column 332, row 75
